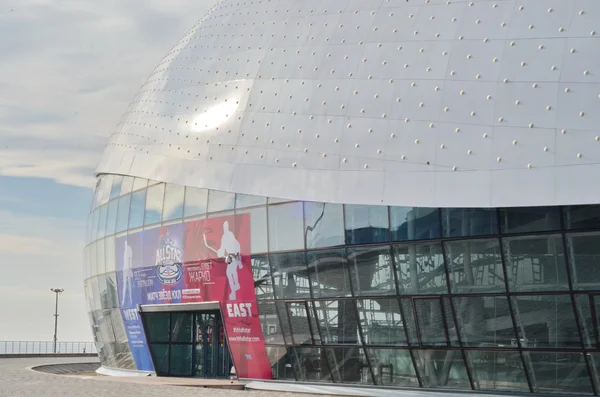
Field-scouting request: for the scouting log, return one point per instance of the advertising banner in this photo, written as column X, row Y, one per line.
column 206, row 260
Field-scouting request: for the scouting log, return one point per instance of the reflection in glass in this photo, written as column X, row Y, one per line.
column 111, row 217
column 136, row 210
column 111, row 286
column 366, row 224
column 93, row 259
column 310, row 364
column 300, row 327
column 328, row 270
column 349, row 365
column 324, row 224
column 584, row 257
column 475, row 266
column 246, row 200
column 435, row 322
column 582, row 217
column 558, row 372
column 115, row 189
column 195, row 201
column 485, row 321
column 339, row 321
column 371, row 271
column 102, row 221
column 220, row 201
column 258, row 229
column 182, row 327
column 126, row 185
column 420, row 268
column 414, row 223
column 290, row 275
column 285, row 227
column 381, row 322
column 269, row 323
column 493, row 370
column 173, row 207
column 442, row 369
column 94, row 230
column 123, row 213
column 157, row 326
column 101, row 257
column 393, row 368
column 154, row 203
column 466, row 222
column 546, row 321
column 529, row 219
column 261, row 271
column 584, row 313
column 535, row 263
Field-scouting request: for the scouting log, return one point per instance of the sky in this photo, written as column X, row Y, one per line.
column 68, row 69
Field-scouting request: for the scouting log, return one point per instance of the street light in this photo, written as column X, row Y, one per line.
column 57, row 291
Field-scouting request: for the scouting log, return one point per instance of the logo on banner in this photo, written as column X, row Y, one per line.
column 168, row 260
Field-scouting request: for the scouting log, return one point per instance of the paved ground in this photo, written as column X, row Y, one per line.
column 16, row 380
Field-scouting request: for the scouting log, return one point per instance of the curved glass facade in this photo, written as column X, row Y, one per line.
column 461, row 298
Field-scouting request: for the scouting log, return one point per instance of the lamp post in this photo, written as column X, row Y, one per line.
column 57, row 291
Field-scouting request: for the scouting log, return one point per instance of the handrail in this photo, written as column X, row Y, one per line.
column 46, row 347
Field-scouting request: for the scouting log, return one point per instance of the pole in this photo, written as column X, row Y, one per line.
column 56, row 291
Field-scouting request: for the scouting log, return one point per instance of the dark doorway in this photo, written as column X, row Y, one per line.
column 188, row 343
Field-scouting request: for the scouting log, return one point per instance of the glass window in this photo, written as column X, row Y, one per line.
column 103, row 293
column 195, row 201
column 269, row 323
column 246, row 200
column 88, row 232
column 158, row 326
column 123, row 213
column 261, row 271
column 546, row 321
column 115, row 189
column 111, row 217
column 371, row 271
column 300, row 326
column 104, row 189
column 126, row 185
column 101, row 255
column 366, row 224
column 349, row 365
column 258, row 229
column 381, row 322
column 109, row 247
column 173, row 207
column 420, row 268
column 475, row 266
column 531, row 219
column 584, row 257
column 485, row 321
column 339, row 322
column 324, row 224
column 180, row 360
column 93, row 259
column 284, row 321
column 310, row 364
column 160, row 358
column 497, row 371
column 586, row 321
column 182, row 327
column 102, row 221
column 94, row 234
column 290, row 275
column 285, row 227
column 467, row 222
column 220, row 201
column 139, row 183
column 136, row 211
column 435, row 322
column 558, row 372
column 154, row 204
column 393, row 368
column 442, row 369
column 328, row 272
column 581, row 217
column 111, row 288
column 414, row 223
column 535, row 263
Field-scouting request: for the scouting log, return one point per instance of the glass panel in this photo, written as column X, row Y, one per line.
column 393, row 367
column 258, row 229
column 115, row 189
column 94, row 231
column 442, row 369
column 466, row 222
column 102, row 221
column 136, row 211
column 414, row 223
column 173, row 207
column 324, row 224
column 475, row 266
column 420, row 268
column 270, row 323
column 273, row 200
column 558, row 372
column 371, row 271
column 246, row 200
column 123, row 213
column 111, row 217
column 366, row 224
column 530, row 219
column 154, row 203
column 485, row 321
column 535, row 263
column 284, row 322
column 103, row 293
column 349, row 365
column 310, row 364
column 158, row 326
column 88, row 232
column 435, row 322
column 195, row 201
column 328, row 272
column 126, row 185
column 285, row 227
column 111, row 286
column 381, row 322
column 220, row 201
column 93, row 259
column 497, row 371
column 180, row 360
column 100, row 252
column 298, row 315
column 546, row 321
column 584, row 257
column 584, row 312
column 160, row 355
column 109, row 244
column 339, row 322
column 139, row 183
column 261, row 271
column 182, row 327
column 290, row 275
column 280, row 362
column 581, row 217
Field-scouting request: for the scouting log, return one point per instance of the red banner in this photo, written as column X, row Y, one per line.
column 217, row 267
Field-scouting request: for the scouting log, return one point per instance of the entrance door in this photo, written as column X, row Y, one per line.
column 211, row 354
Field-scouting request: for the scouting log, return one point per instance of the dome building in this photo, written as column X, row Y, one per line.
column 383, row 193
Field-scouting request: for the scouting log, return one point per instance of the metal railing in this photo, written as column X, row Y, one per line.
column 46, row 347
